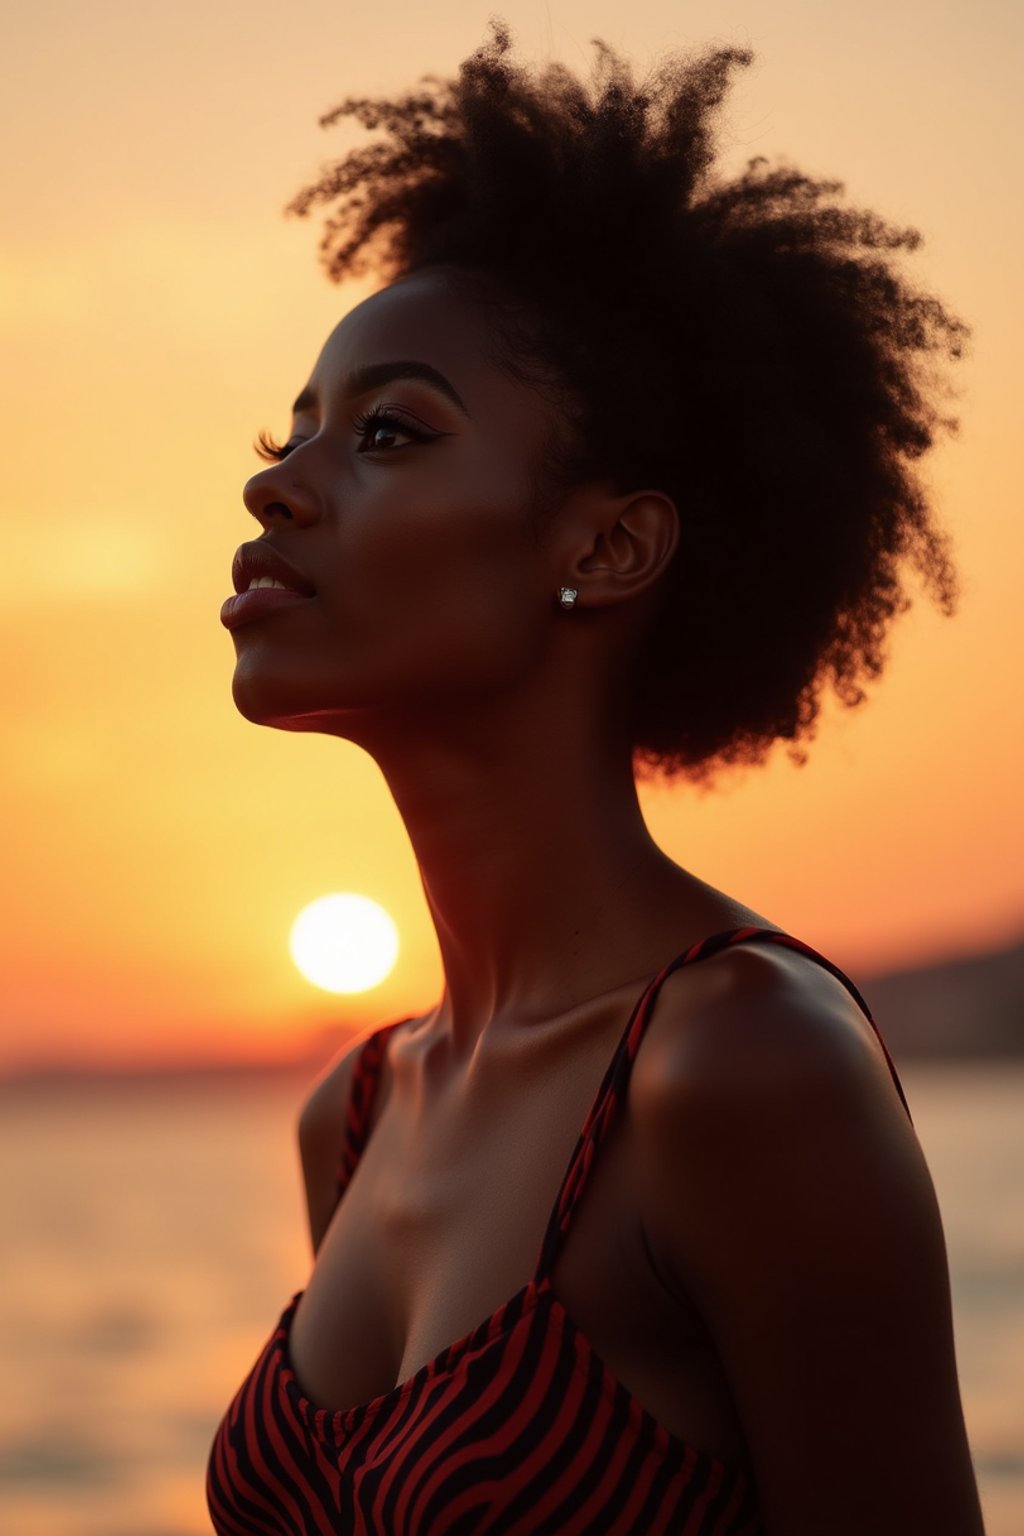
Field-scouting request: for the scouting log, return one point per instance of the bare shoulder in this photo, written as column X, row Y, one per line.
column 323, row 1108
column 784, row 1193
column 321, row 1128
column 755, row 1023
column 765, row 1081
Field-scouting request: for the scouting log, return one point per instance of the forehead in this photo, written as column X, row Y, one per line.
column 430, row 319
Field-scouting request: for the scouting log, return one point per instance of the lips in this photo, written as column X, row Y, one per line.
column 258, row 558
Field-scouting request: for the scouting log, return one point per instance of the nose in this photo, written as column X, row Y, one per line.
column 276, row 496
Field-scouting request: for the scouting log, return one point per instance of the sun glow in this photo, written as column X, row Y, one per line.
column 344, row 942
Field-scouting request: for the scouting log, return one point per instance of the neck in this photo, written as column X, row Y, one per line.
column 543, row 882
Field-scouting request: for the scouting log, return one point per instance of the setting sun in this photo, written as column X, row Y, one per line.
column 344, row 943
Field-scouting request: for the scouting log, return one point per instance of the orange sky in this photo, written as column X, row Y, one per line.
column 157, row 309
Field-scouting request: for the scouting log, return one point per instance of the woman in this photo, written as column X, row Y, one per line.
column 605, row 480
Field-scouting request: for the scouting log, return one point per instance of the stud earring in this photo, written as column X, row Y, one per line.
column 567, row 596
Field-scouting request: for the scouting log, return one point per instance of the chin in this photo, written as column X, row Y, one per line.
column 263, row 704
column 263, row 711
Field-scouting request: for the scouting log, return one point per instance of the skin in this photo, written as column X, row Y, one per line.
column 759, row 1255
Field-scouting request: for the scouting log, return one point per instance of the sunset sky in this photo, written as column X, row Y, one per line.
column 157, row 309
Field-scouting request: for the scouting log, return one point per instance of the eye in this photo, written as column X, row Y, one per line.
column 383, row 418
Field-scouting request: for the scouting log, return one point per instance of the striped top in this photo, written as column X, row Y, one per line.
column 518, row 1428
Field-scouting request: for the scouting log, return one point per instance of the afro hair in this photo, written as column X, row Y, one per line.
column 745, row 346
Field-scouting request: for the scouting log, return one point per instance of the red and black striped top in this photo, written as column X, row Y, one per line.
column 518, row 1428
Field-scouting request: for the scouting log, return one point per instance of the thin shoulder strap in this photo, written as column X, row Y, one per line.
column 612, row 1091
column 362, row 1093
column 813, row 954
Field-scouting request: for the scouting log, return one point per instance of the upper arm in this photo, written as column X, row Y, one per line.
column 321, row 1132
column 785, row 1191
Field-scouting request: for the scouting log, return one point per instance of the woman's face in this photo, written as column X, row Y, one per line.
column 411, row 533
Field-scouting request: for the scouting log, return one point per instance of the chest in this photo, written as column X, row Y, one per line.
column 443, row 1221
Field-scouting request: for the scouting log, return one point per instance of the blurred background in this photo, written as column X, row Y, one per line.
column 155, row 1037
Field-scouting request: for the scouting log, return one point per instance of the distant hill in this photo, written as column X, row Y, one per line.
column 972, row 1006
column 969, row 1007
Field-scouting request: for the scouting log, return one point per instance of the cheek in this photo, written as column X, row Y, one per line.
column 440, row 581
column 455, row 619
column 446, row 624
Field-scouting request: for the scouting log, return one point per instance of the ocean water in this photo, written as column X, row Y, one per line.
column 150, row 1236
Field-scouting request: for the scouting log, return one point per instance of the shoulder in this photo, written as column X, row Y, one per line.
column 323, row 1112
column 323, row 1107
column 751, row 1031
column 321, row 1130
column 766, row 1077
column 783, row 1192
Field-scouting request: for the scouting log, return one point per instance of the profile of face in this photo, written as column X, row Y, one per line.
column 404, row 503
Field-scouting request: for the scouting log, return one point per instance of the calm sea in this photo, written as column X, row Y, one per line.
column 149, row 1238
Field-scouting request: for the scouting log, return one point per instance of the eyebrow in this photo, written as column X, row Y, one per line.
column 372, row 375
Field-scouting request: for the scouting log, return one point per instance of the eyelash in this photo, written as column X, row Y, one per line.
column 379, row 415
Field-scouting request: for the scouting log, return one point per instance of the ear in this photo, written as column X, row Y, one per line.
column 620, row 545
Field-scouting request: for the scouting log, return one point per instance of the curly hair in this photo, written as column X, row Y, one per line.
column 724, row 341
